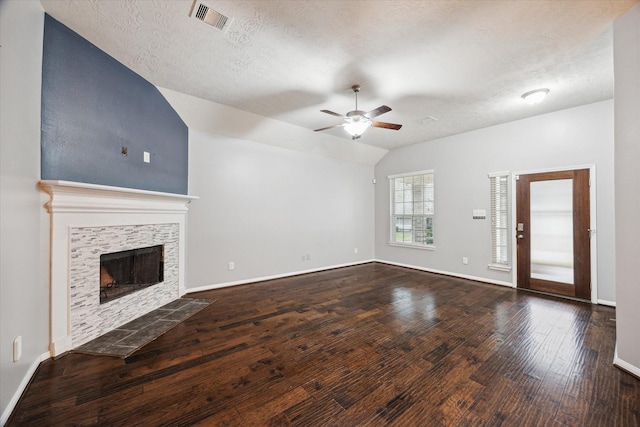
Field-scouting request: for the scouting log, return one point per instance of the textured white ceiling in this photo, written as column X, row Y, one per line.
column 466, row 63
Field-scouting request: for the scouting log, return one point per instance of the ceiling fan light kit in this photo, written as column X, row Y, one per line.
column 536, row 96
column 356, row 125
column 358, row 121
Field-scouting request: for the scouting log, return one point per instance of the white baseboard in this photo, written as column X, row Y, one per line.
column 23, row 385
column 475, row 278
column 60, row 346
column 625, row 366
column 276, row 276
column 448, row 273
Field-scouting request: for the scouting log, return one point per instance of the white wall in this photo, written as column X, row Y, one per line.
column 572, row 137
column 263, row 207
column 626, row 39
column 24, row 285
column 218, row 119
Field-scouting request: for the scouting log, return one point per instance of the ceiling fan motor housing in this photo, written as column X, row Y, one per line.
column 356, row 113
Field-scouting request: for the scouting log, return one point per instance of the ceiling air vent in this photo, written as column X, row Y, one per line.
column 204, row 13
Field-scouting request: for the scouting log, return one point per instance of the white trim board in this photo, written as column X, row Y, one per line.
column 625, row 366
column 606, row 302
column 331, row 267
column 275, row 276
column 448, row 273
column 22, row 387
column 480, row 279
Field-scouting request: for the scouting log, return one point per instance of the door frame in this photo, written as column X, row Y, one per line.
column 592, row 219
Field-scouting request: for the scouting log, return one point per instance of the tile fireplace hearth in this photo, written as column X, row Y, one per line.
column 126, row 339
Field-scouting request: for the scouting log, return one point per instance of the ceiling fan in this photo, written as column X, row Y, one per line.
column 357, row 121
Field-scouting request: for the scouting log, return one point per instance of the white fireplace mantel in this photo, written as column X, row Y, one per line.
column 73, row 205
column 77, row 197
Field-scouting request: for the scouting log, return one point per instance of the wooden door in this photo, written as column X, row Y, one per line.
column 552, row 232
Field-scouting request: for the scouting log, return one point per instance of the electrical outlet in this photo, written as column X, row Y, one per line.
column 355, row 251
column 232, row 265
column 17, row 348
column 465, row 260
column 147, row 157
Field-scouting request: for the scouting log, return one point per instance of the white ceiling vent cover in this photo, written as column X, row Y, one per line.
column 205, row 14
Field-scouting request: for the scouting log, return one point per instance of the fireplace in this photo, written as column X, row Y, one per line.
column 89, row 317
column 91, row 227
column 124, row 272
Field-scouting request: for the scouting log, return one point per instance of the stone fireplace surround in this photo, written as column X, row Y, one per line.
column 87, row 220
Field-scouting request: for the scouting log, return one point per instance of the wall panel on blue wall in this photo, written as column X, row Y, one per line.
column 92, row 106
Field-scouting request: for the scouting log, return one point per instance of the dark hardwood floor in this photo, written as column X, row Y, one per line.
column 368, row 345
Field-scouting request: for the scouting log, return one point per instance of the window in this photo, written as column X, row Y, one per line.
column 412, row 209
column 499, row 221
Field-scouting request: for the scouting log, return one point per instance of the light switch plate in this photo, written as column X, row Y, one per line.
column 479, row 214
column 147, row 157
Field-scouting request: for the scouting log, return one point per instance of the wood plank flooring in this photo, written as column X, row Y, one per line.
column 368, row 345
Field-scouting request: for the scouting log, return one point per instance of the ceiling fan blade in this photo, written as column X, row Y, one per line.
column 386, row 125
column 375, row 113
column 332, row 113
column 330, row 127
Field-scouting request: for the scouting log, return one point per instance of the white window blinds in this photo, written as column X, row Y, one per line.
column 499, row 219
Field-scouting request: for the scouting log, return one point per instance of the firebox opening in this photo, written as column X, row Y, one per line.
column 122, row 273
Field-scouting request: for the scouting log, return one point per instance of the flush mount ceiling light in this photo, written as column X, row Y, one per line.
column 535, row 96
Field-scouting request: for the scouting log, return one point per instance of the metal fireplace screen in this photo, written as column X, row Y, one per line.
column 122, row 273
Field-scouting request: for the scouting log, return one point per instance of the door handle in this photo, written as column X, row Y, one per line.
column 520, row 236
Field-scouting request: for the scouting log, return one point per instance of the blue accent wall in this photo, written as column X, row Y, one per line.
column 92, row 106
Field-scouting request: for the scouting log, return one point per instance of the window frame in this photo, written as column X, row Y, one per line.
column 503, row 216
column 392, row 214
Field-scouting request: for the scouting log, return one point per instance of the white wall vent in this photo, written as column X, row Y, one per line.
column 205, row 14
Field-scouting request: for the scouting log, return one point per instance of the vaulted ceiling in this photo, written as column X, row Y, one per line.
column 444, row 67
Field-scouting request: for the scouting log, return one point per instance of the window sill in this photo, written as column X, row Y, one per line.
column 413, row 246
column 499, row 267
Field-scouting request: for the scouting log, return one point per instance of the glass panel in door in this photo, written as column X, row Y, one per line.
column 552, row 230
